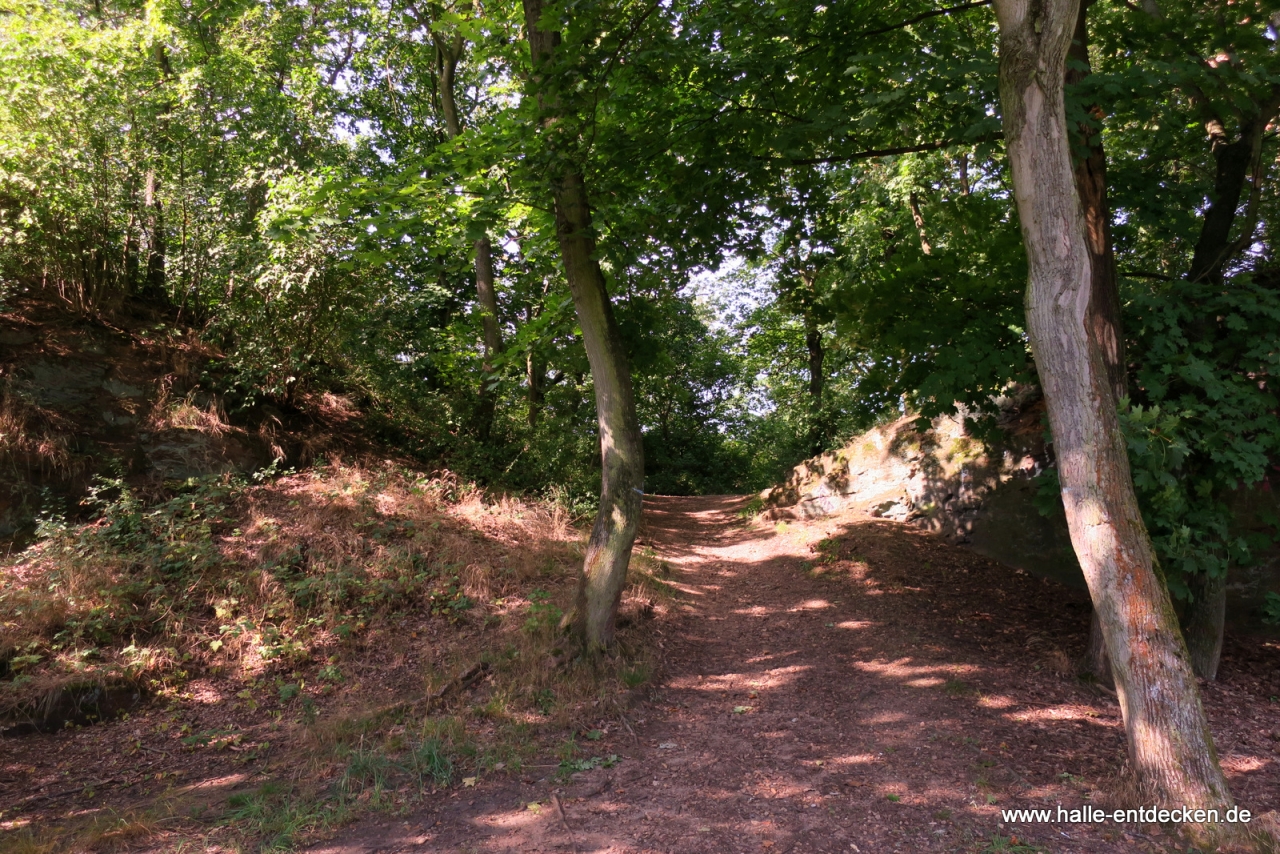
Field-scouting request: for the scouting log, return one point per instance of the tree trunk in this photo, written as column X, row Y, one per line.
column 1170, row 747
column 488, row 299
column 1091, row 183
column 1104, row 293
column 604, row 569
column 1204, row 617
column 154, row 282
column 817, row 379
column 450, row 52
column 535, row 371
column 492, row 334
column 1203, row 622
column 913, row 201
column 1234, row 161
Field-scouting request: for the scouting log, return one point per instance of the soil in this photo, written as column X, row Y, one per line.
column 852, row 685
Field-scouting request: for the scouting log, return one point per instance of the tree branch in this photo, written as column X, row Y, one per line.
column 903, row 149
column 1140, row 274
column 924, row 17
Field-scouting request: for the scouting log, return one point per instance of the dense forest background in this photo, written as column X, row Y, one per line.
column 546, row 259
column 809, row 231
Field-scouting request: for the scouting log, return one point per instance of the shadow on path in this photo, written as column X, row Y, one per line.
column 842, row 685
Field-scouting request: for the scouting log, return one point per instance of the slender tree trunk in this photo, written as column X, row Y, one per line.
column 1203, row 622
column 449, row 51
column 1104, row 321
column 604, row 569
column 817, row 381
column 1091, row 183
column 1170, row 747
column 154, row 282
column 535, row 370
column 488, row 298
column 492, row 333
column 913, row 201
column 1204, row 617
column 1233, row 162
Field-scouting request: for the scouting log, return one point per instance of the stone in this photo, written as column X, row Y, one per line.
column 118, row 389
column 64, row 383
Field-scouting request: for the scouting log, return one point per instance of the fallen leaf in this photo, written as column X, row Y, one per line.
column 468, row 781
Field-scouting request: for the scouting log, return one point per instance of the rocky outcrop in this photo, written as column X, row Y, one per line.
column 82, row 397
column 969, row 490
column 982, row 493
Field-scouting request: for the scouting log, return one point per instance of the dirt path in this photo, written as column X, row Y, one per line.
column 844, row 685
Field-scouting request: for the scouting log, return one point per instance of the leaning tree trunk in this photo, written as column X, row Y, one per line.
column 1170, row 747
column 1104, row 292
column 604, row 570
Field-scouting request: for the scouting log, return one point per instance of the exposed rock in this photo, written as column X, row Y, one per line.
column 118, row 389
column 983, row 495
column 75, row 704
column 946, row 480
column 64, row 383
column 85, row 398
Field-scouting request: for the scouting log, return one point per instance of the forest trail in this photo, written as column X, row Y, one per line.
column 819, row 700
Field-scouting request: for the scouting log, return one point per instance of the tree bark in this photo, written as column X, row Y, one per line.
column 449, row 52
column 913, row 201
column 1203, row 622
column 1233, row 163
column 1169, row 744
column 604, row 569
column 488, row 299
column 1104, row 321
column 154, row 281
column 1091, row 183
column 535, row 371
column 817, row 381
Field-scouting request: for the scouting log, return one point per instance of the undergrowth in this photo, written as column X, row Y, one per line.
column 275, row 590
column 233, row 576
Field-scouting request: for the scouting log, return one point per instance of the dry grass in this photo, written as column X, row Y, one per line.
column 238, row 577
column 184, row 412
column 33, row 439
column 100, row 834
column 347, row 601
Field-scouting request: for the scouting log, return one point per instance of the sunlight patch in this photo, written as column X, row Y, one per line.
column 1054, row 713
column 886, row 718
column 925, row 682
column 856, row 759
column 1244, row 764
column 811, row 605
